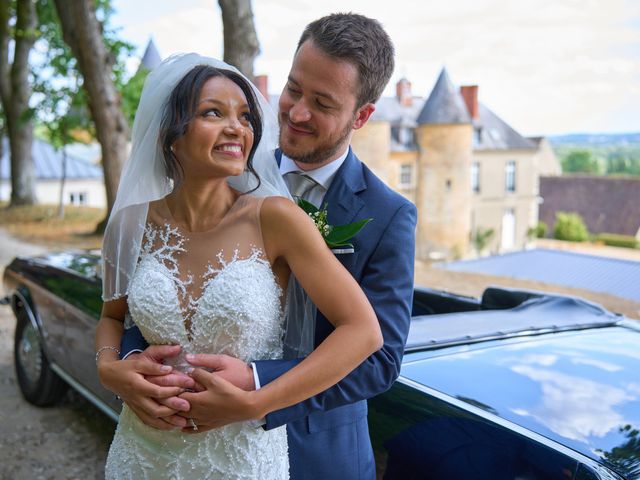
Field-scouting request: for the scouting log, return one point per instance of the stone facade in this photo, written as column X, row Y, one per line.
column 466, row 169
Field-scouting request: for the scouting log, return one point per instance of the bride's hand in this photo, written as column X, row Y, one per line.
column 220, row 404
column 230, row 368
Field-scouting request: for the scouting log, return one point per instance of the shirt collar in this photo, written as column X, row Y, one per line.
column 323, row 175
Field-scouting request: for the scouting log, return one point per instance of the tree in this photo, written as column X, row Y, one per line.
column 571, row 227
column 241, row 45
column 17, row 36
column 580, row 161
column 83, row 33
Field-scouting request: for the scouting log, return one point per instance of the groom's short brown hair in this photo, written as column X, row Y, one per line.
column 360, row 41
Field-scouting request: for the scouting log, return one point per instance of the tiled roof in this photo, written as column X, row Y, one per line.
column 445, row 105
column 606, row 204
column 496, row 134
column 48, row 163
column 589, row 272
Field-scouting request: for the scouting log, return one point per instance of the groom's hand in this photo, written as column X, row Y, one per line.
column 231, row 369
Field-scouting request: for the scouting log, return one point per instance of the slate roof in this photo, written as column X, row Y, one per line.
column 606, row 204
column 48, row 164
column 496, row 134
column 588, row 272
column 151, row 58
column 445, row 105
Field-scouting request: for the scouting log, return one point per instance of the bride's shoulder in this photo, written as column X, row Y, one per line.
column 281, row 212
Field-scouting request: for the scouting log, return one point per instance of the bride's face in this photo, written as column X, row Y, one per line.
column 219, row 138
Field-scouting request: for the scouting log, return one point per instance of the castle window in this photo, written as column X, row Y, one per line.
column 475, row 177
column 510, row 176
column 406, row 175
column 448, row 184
column 477, row 136
column 78, row 198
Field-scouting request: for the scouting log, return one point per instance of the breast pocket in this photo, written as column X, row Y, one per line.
column 348, row 260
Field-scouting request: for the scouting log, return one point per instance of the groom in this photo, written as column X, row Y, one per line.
column 341, row 66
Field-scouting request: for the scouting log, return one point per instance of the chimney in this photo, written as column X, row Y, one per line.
column 470, row 95
column 262, row 83
column 403, row 92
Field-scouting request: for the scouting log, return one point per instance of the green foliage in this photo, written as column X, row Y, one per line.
column 580, row 161
column 541, row 229
column 570, row 227
column 131, row 92
column 481, row 238
column 615, row 240
column 611, row 159
column 59, row 99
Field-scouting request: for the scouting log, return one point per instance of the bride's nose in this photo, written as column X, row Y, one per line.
column 234, row 127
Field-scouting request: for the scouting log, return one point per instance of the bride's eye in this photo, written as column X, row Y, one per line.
column 211, row 112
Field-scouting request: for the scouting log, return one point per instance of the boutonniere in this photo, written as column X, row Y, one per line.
column 335, row 236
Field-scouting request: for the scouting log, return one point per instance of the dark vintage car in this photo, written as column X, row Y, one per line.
column 515, row 385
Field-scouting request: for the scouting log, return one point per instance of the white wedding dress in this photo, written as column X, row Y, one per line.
column 211, row 292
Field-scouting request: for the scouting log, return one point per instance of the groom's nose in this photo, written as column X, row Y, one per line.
column 299, row 113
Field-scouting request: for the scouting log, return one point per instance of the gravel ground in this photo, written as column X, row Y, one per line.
column 67, row 441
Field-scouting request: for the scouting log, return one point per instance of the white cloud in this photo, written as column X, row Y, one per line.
column 546, row 66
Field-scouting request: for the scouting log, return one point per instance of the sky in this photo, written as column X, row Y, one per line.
column 547, row 67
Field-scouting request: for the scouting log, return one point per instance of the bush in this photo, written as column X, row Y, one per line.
column 615, row 240
column 539, row 231
column 571, row 227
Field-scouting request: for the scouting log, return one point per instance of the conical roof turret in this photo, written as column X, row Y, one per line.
column 445, row 105
column 151, row 58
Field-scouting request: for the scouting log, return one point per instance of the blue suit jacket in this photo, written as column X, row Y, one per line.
column 328, row 433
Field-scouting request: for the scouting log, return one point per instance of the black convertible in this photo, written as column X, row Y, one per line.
column 514, row 385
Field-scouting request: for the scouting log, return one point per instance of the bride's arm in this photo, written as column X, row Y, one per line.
column 126, row 378
column 290, row 235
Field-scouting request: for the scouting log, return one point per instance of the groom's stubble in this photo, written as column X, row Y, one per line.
column 318, row 153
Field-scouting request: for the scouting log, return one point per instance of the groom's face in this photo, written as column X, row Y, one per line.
column 317, row 108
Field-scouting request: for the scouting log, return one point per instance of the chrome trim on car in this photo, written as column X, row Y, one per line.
column 495, row 419
column 85, row 393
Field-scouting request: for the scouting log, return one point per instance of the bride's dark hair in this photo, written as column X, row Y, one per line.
column 181, row 108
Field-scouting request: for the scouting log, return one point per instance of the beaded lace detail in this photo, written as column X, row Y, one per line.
column 237, row 312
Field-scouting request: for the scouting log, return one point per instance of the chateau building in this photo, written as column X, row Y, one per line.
column 465, row 168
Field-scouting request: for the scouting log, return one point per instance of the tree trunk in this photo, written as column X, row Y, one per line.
column 15, row 92
column 241, row 45
column 83, row 33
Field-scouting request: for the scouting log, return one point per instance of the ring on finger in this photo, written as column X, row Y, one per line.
column 193, row 425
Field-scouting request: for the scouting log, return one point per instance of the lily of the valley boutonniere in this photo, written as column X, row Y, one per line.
column 335, row 236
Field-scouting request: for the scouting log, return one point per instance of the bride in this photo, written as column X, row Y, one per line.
column 199, row 249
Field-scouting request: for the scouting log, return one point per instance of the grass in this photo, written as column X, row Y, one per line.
column 40, row 224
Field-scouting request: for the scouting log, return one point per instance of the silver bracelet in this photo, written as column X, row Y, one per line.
column 102, row 349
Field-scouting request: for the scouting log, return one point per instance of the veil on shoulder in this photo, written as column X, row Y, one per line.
column 145, row 180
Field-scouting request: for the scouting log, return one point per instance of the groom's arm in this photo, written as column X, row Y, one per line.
column 387, row 281
column 132, row 342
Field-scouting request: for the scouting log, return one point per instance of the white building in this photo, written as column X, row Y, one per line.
column 83, row 185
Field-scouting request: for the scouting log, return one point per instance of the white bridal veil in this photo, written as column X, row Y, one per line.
column 145, row 180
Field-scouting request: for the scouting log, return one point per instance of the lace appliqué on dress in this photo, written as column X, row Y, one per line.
column 239, row 313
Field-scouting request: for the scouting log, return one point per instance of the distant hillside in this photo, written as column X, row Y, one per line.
column 596, row 139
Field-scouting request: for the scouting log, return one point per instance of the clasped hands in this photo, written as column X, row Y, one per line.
column 219, row 390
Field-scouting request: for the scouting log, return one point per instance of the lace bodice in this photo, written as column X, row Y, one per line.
column 210, row 292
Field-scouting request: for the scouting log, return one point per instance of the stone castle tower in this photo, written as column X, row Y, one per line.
column 444, row 136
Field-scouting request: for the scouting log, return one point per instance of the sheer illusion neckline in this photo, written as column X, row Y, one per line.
column 169, row 216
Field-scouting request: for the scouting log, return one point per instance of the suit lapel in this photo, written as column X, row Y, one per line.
column 343, row 203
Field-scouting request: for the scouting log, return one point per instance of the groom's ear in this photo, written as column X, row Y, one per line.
column 363, row 114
